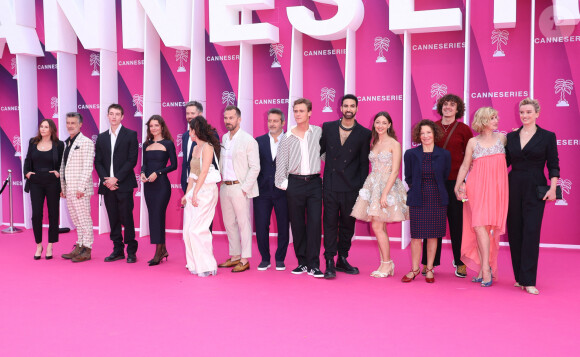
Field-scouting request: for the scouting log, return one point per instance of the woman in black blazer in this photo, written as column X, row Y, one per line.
column 426, row 170
column 528, row 151
column 41, row 169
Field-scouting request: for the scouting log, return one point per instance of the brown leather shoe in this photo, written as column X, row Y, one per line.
column 241, row 267
column 84, row 256
column 76, row 251
column 229, row 263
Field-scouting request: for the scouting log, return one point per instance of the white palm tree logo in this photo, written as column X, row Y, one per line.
column 178, row 143
column 228, row 98
column 54, row 105
column 13, row 66
column 181, row 56
column 94, row 139
column 138, row 178
column 17, row 145
column 563, row 86
column 276, row 50
column 498, row 38
column 327, row 95
column 566, row 186
column 138, row 103
column 438, row 91
column 95, row 61
column 382, row 44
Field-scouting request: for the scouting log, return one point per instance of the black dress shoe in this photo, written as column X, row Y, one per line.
column 114, row 257
column 330, row 272
column 343, row 266
column 131, row 259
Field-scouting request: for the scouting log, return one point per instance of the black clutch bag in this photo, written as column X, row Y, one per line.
column 542, row 190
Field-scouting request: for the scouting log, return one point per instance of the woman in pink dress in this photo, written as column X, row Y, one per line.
column 486, row 195
column 382, row 197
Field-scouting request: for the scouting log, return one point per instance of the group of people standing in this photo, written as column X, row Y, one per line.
column 452, row 177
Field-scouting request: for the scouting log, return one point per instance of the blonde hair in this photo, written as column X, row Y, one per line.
column 529, row 101
column 482, row 117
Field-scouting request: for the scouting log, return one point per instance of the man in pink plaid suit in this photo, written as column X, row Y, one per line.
column 77, row 185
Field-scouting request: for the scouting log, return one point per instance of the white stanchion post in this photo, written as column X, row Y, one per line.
column 11, row 229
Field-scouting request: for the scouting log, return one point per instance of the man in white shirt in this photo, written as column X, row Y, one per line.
column 116, row 153
column 298, row 172
column 240, row 166
column 270, row 196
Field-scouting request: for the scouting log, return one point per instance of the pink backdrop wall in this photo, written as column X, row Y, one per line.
column 499, row 76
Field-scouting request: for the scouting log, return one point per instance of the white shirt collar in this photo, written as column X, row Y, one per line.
column 115, row 133
column 290, row 132
column 282, row 134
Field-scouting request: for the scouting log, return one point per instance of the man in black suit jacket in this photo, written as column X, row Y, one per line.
column 346, row 145
column 271, row 196
column 116, row 153
column 192, row 110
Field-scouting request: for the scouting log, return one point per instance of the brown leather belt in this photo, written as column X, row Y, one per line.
column 304, row 177
column 231, row 182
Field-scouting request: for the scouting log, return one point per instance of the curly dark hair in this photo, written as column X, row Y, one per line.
column 416, row 133
column 204, row 131
column 451, row 98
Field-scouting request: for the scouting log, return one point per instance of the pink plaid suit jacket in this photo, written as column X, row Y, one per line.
column 76, row 175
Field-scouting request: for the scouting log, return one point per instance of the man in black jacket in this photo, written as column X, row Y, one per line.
column 346, row 145
column 116, row 153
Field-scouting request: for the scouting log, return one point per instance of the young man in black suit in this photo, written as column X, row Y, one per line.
column 346, row 145
column 270, row 196
column 116, row 153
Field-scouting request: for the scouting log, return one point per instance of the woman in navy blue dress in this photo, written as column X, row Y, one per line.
column 426, row 169
column 158, row 149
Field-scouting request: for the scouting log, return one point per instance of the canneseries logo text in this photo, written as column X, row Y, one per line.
column 498, row 38
column 179, row 143
column 566, row 186
column 327, row 95
column 276, row 50
column 138, row 178
column 382, row 45
column 563, row 87
column 138, row 103
column 438, row 91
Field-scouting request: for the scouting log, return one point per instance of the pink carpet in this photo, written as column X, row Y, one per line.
column 57, row 308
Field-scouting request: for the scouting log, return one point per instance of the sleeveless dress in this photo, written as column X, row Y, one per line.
column 368, row 202
column 428, row 220
column 487, row 193
column 197, row 237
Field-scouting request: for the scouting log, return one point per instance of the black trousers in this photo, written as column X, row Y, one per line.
column 263, row 206
column 338, row 223
column 157, row 195
column 45, row 185
column 455, row 220
column 524, row 224
column 120, row 210
column 305, row 211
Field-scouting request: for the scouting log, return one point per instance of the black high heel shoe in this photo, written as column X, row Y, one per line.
column 37, row 257
column 48, row 257
column 158, row 255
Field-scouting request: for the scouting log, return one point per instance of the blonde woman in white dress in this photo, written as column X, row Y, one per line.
column 200, row 199
column 383, row 197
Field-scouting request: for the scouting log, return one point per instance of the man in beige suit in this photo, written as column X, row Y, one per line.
column 240, row 166
column 77, row 185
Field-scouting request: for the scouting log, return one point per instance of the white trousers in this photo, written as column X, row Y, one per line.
column 80, row 213
column 196, row 234
column 237, row 219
